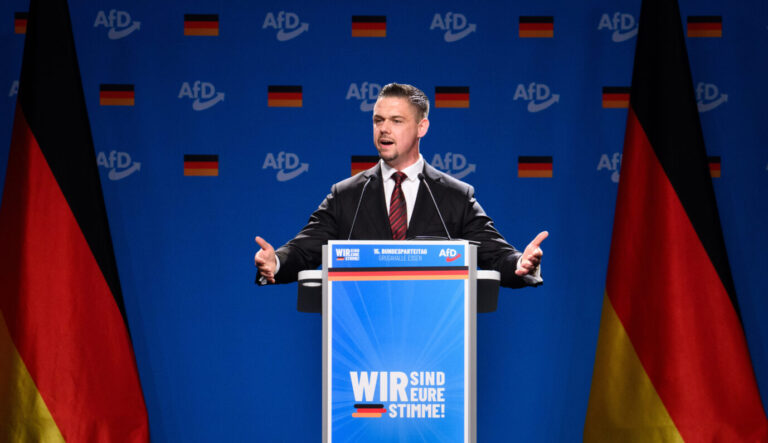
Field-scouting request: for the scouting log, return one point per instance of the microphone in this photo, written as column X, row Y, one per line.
column 423, row 180
column 354, row 219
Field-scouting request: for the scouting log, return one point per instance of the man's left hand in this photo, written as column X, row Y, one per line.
column 532, row 255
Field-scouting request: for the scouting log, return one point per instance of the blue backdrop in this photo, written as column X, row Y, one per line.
column 223, row 360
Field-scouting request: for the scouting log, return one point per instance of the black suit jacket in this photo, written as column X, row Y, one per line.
column 463, row 216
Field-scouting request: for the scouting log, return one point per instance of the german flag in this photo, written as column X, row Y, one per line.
column 284, row 96
column 362, row 163
column 206, row 25
column 369, row 410
column 116, row 95
column 369, row 26
column 616, row 96
column 451, row 96
column 705, row 26
column 672, row 362
column 67, row 369
column 534, row 166
column 714, row 166
column 201, row 165
column 20, row 22
column 399, row 273
column 536, row 27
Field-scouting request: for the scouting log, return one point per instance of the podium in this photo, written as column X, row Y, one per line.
column 399, row 340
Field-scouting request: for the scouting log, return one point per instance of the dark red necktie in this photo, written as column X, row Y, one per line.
column 398, row 214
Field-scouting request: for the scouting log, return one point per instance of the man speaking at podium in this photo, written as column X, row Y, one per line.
column 400, row 198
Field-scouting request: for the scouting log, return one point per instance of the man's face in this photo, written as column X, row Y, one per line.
column 397, row 130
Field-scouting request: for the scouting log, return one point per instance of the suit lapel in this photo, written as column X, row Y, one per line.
column 424, row 209
column 374, row 208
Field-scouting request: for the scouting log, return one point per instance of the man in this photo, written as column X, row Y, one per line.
column 389, row 201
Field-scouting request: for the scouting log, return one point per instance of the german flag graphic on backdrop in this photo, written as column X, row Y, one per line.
column 67, row 369
column 672, row 362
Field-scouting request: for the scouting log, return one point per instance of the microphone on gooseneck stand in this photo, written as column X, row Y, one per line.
column 354, row 219
column 423, row 180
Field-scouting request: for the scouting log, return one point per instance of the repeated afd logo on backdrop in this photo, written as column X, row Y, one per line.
column 287, row 165
column 622, row 25
column 287, row 24
column 538, row 95
column 709, row 97
column 610, row 163
column 366, row 93
column 119, row 164
column 14, row 88
column 454, row 24
column 202, row 94
column 119, row 23
column 453, row 164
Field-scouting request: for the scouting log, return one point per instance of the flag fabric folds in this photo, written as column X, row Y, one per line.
column 67, row 369
column 672, row 361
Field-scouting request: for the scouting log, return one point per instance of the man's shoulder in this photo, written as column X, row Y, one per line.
column 446, row 181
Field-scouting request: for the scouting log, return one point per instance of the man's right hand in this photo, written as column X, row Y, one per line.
column 265, row 260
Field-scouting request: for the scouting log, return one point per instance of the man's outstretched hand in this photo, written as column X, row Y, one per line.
column 265, row 260
column 531, row 256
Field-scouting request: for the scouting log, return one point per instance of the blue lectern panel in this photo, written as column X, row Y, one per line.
column 398, row 316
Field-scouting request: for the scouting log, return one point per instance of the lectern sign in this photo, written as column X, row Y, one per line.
column 397, row 319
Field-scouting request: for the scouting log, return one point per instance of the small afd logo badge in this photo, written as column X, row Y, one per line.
column 450, row 254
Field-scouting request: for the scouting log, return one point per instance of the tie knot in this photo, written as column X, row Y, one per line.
column 398, row 177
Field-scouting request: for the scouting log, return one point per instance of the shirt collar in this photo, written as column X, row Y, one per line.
column 411, row 171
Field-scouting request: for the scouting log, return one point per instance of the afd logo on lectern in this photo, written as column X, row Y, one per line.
column 119, row 23
column 287, row 165
column 418, row 394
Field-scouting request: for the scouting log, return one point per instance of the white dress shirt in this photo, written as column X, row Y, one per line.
column 410, row 185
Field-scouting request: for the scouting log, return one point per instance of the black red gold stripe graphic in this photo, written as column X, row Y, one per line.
column 20, row 22
column 714, row 166
column 369, row 26
column 704, row 26
column 280, row 96
column 369, row 410
column 451, row 96
column 616, row 96
column 201, row 165
column 399, row 273
column 534, row 166
column 536, row 26
column 361, row 163
column 201, row 25
column 111, row 94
